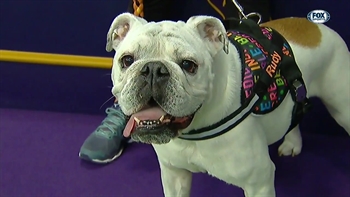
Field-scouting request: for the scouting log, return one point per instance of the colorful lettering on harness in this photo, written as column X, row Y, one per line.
column 241, row 40
column 265, row 106
column 273, row 97
column 256, row 61
column 263, row 64
column 253, row 41
column 286, row 50
column 273, row 93
column 279, row 82
column 257, row 54
column 248, row 82
column 256, row 78
column 267, row 32
column 275, row 60
column 252, row 63
column 258, row 45
column 272, row 88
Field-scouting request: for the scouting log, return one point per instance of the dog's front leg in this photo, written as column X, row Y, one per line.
column 260, row 177
column 263, row 185
column 176, row 182
column 251, row 167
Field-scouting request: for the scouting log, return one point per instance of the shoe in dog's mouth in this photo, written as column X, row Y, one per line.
column 153, row 125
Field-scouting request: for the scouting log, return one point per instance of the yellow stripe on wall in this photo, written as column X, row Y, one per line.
column 55, row 59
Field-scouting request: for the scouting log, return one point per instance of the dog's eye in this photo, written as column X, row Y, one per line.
column 189, row 66
column 127, row 61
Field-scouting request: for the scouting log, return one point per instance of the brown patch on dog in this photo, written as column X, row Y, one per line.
column 297, row 30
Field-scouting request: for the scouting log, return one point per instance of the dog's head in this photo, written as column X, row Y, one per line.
column 162, row 72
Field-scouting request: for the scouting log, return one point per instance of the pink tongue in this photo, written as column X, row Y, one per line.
column 153, row 113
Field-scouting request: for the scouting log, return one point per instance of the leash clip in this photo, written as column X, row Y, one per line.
column 244, row 16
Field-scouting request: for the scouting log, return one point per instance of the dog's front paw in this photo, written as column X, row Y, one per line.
column 292, row 144
column 289, row 148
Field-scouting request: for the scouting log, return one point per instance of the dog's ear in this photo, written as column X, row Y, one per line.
column 120, row 26
column 211, row 30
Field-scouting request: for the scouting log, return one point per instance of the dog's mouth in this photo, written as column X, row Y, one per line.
column 153, row 120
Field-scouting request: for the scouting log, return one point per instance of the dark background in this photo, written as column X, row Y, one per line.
column 79, row 27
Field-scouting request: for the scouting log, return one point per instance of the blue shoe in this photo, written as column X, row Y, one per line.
column 107, row 142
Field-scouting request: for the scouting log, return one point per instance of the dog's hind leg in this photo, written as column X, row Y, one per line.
column 341, row 114
column 326, row 72
column 176, row 182
column 335, row 91
column 292, row 143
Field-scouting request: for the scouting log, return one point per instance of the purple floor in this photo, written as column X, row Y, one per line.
column 39, row 158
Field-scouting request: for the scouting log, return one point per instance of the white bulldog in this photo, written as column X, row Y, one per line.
column 181, row 84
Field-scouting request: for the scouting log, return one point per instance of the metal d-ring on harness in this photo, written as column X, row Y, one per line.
column 246, row 16
column 289, row 70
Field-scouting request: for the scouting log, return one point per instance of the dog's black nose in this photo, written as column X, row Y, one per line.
column 156, row 74
column 155, row 70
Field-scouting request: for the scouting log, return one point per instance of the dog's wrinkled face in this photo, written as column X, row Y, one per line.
column 162, row 72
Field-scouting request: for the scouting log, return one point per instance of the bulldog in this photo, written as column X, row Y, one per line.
column 190, row 90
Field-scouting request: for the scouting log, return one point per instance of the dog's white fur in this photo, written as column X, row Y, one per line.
column 240, row 156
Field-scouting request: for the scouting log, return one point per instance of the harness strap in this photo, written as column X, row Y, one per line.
column 268, row 73
column 287, row 65
column 224, row 125
column 289, row 70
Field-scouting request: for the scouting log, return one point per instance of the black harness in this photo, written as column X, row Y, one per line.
column 288, row 68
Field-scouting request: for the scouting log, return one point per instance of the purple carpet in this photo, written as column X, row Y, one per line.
column 39, row 158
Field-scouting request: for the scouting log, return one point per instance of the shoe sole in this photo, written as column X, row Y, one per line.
column 87, row 158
